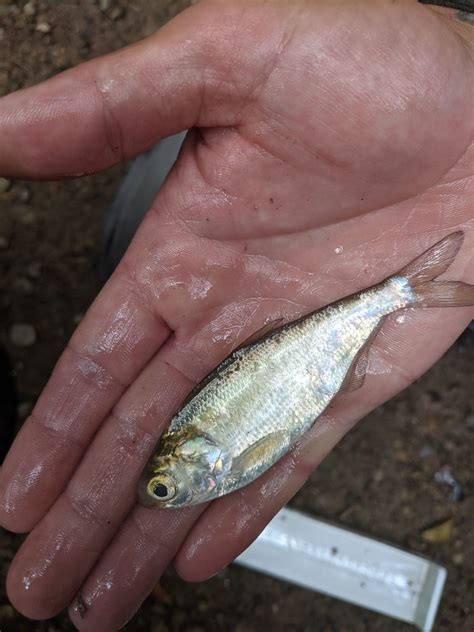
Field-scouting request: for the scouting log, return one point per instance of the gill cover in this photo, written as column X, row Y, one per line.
column 186, row 470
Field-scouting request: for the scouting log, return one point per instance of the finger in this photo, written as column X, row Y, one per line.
column 109, row 109
column 399, row 355
column 139, row 554
column 116, row 338
column 67, row 542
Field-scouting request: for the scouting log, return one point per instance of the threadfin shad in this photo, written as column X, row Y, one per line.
column 255, row 406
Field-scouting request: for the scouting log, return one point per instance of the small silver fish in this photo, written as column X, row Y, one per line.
column 256, row 405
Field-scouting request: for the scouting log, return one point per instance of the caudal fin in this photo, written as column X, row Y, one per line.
column 431, row 264
column 444, row 294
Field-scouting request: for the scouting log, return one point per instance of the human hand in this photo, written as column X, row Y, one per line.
column 333, row 146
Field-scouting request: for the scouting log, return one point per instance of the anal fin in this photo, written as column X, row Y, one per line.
column 355, row 377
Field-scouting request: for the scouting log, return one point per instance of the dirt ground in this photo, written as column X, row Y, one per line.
column 381, row 478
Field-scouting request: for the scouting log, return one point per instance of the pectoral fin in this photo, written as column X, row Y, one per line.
column 265, row 450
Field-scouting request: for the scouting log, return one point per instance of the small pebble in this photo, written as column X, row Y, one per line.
column 116, row 13
column 162, row 594
column 426, row 452
column 470, row 421
column 458, row 559
column 77, row 318
column 178, row 618
column 28, row 218
column 29, row 8
column 378, row 476
column 7, row 612
column 22, row 334
column 104, row 5
column 22, row 284
column 43, row 27
column 34, row 270
column 23, row 410
column 24, row 195
column 5, row 185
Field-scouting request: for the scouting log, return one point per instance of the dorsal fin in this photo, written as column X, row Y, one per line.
column 267, row 329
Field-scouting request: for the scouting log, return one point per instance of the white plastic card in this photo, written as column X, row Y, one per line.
column 331, row 560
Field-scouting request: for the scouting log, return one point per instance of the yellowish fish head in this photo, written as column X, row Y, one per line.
column 186, row 469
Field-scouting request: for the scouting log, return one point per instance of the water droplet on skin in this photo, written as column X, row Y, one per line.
column 401, row 318
column 377, row 364
column 338, row 250
column 199, row 288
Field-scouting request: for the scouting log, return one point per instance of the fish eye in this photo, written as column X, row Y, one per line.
column 162, row 488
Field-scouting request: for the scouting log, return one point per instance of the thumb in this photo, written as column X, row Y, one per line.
column 116, row 106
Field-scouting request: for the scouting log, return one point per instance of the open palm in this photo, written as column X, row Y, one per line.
column 331, row 144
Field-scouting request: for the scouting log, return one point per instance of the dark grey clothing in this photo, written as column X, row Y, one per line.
column 134, row 197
